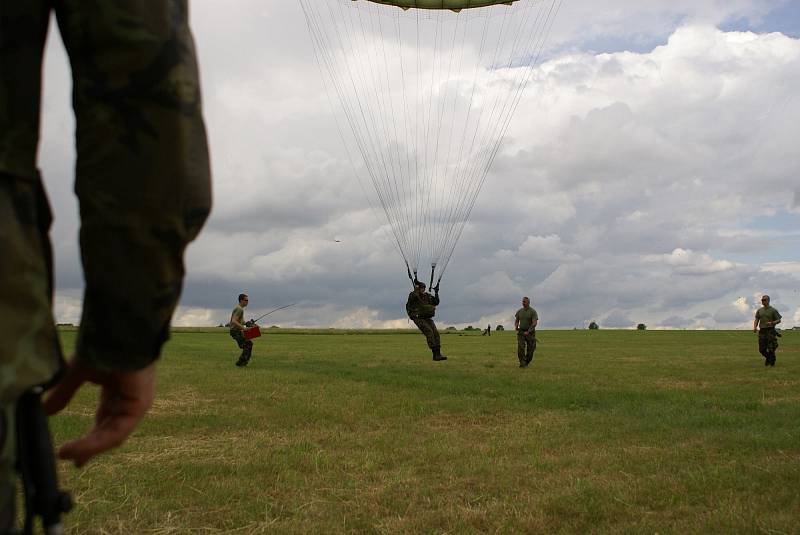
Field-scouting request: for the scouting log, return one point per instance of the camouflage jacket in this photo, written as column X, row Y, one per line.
column 421, row 307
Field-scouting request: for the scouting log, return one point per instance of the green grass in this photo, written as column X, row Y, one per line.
column 360, row 432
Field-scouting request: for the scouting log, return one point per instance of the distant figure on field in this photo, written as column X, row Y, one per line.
column 764, row 323
column 421, row 307
column 525, row 321
column 238, row 327
column 487, row 331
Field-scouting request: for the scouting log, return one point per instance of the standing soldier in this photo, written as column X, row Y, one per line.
column 421, row 307
column 238, row 326
column 525, row 321
column 143, row 183
column 764, row 323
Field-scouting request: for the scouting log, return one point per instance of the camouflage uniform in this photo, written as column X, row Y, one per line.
column 245, row 345
column 526, row 343
column 421, row 310
column 767, row 336
column 142, row 179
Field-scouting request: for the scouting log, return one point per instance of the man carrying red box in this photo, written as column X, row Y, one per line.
column 238, row 329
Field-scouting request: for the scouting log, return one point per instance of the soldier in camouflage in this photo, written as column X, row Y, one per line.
column 767, row 317
column 525, row 321
column 421, row 308
column 237, row 328
column 142, row 179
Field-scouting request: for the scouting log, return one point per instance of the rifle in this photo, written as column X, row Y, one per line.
column 37, row 467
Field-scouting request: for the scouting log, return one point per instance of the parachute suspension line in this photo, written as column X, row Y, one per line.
column 417, row 110
column 541, row 37
column 436, row 173
column 362, row 140
column 444, row 104
column 396, row 144
column 427, row 186
column 456, row 172
column 380, row 100
column 464, row 180
column 347, row 149
column 546, row 28
column 406, row 182
column 384, row 156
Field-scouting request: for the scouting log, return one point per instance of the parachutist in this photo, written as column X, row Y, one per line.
column 421, row 308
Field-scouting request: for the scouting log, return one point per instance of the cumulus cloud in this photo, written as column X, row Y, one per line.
column 737, row 312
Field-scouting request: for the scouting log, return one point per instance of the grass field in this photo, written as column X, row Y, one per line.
column 360, row 432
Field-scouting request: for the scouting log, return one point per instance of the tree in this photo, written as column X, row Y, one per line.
column 499, row 328
column 641, row 327
column 593, row 326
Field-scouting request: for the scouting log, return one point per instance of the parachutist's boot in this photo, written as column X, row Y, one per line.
column 437, row 353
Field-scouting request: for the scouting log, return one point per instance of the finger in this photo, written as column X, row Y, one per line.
column 105, row 436
column 58, row 397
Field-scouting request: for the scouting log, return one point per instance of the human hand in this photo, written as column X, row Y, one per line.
column 125, row 397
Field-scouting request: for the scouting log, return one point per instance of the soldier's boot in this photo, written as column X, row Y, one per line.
column 437, row 353
column 772, row 358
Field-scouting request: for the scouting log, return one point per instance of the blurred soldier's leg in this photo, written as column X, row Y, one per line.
column 248, row 351
column 762, row 346
column 772, row 346
column 238, row 337
column 530, row 342
column 521, row 349
column 424, row 326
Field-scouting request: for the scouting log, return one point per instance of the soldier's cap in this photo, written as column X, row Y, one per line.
column 421, row 284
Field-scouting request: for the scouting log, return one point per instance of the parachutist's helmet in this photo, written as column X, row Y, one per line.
column 420, row 285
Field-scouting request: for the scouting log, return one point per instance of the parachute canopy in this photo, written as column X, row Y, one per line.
column 454, row 5
column 427, row 90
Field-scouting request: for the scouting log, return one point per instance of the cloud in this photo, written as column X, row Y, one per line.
column 676, row 322
column 195, row 317
column 648, row 173
column 617, row 319
column 737, row 312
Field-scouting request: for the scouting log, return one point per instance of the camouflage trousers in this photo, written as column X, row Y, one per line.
column 767, row 342
column 526, row 345
column 428, row 328
column 245, row 345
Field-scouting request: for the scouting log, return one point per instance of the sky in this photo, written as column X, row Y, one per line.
column 650, row 175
